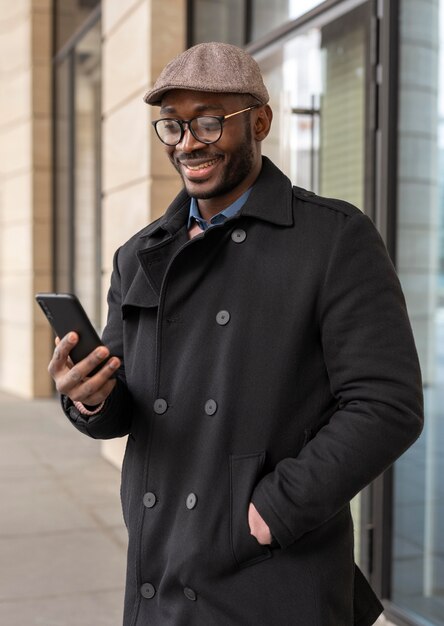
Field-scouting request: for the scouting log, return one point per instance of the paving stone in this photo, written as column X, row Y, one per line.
column 102, row 608
column 60, row 564
column 62, row 538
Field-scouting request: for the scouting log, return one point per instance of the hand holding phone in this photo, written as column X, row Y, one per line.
column 81, row 366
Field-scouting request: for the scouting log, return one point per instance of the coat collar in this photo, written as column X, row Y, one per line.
column 269, row 201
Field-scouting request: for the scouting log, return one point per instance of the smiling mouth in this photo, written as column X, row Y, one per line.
column 200, row 166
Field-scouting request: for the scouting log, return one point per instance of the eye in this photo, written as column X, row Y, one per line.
column 170, row 125
column 207, row 124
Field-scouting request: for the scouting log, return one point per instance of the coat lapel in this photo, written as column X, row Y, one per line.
column 139, row 294
column 160, row 241
column 154, row 260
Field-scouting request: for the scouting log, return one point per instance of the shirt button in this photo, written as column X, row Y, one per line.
column 148, row 591
column 238, row 235
column 191, row 501
column 149, row 500
column 210, row 407
column 222, row 318
column 190, row 594
column 160, row 406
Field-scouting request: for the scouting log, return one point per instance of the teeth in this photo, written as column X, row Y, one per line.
column 196, row 168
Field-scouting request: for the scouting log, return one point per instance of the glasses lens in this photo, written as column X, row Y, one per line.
column 169, row 131
column 206, row 128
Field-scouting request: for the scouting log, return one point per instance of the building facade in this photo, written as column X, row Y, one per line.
column 358, row 97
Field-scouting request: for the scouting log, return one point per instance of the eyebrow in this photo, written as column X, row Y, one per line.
column 200, row 108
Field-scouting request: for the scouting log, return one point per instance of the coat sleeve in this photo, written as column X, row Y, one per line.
column 375, row 379
column 114, row 420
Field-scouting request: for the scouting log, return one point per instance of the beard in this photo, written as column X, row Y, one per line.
column 234, row 171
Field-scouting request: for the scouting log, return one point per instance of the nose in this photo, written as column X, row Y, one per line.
column 188, row 142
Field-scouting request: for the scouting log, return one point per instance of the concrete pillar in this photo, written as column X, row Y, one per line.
column 25, row 193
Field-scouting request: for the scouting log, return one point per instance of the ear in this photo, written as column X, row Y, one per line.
column 262, row 123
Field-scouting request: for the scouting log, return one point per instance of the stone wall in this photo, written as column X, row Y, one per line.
column 25, row 193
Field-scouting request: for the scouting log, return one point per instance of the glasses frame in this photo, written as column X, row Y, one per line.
column 182, row 123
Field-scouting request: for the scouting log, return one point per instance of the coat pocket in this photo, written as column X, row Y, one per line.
column 245, row 471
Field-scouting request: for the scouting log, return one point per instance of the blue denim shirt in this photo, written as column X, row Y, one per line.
column 219, row 218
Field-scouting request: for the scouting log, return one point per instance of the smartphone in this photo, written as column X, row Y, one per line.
column 65, row 313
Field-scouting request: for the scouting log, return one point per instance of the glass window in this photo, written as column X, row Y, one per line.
column 342, row 152
column 87, row 122
column 241, row 21
column 268, row 15
column 418, row 540
column 318, row 84
column 77, row 171
column 293, row 74
column 62, row 168
column 219, row 20
column 69, row 15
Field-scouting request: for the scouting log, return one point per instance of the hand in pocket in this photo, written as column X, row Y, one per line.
column 258, row 528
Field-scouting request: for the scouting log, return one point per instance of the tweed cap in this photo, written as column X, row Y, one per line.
column 212, row 67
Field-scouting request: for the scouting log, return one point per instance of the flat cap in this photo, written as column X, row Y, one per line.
column 213, row 67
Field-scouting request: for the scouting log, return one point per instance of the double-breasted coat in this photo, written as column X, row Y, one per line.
column 271, row 360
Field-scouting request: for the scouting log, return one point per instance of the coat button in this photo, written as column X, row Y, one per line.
column 191, row 501
column 190, row 594
column 149, row 500
column 160, row 406
column 210, row 407
column 238, row 235
column 222, row 318
column 148, row 591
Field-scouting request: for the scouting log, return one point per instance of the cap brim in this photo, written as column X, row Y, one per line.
column 154, row 96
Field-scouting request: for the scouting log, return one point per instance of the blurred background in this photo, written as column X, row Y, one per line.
column 358, row 97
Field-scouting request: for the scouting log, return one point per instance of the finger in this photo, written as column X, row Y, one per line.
column 59, row 361
column 65, row 345
column 96, row 358
column 96, row 397
column 90, row 390
column 69, row 361
column 78, row 379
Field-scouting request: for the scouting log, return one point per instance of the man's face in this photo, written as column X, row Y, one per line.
column 221, row 170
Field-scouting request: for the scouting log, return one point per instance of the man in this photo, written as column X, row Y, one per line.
column 262, row 365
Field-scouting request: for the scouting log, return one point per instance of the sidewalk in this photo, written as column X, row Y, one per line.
column 62, row 538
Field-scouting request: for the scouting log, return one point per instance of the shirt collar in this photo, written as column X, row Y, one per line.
column 219, row 218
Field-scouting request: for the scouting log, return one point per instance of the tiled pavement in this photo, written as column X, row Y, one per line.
column 62, row 539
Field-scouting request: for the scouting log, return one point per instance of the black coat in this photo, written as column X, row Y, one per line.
column 269, row 359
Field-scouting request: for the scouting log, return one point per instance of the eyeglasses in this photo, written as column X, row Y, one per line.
column 205, row 128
